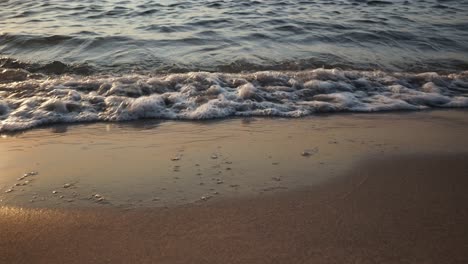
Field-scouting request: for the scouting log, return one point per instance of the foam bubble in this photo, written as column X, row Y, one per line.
column 27, row 101
column 246, row 91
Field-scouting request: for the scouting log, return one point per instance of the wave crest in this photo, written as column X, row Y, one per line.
column 31, row 99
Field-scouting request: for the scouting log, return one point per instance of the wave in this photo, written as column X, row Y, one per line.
column 32, row 99
column 235, row 36
column 54, row 67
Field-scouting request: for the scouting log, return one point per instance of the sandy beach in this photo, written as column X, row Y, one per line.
column 376, row 196
column 234, row 132
column 405, row 210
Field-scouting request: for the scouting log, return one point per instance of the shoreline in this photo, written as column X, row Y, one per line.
column 164, row 164
column 386, row 188
column 65, row 126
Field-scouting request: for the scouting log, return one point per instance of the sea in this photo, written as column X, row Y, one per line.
column 88, row 61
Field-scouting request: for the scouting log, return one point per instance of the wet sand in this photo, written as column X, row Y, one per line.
column 385, row 188
column 158, row 164
column 407, row 209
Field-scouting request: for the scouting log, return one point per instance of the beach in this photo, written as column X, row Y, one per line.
column 206, row 131
column 367, row 194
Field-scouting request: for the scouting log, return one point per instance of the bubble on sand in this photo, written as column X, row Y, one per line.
column 67, row 185
column 309, row 152
column 54, row 192
column 205, row 198
column 98, row 197
column 32, row 173
column 214, row 156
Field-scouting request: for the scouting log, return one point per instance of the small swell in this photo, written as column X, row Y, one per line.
column 54, row 67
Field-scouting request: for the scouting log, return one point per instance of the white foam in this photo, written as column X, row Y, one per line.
column 246, row 91
column 27, row 101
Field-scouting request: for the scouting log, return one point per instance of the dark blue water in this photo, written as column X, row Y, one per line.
column 233, row 36
column 80, row 61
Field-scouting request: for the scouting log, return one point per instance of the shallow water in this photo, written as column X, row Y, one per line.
column 81, row 61
column 226, row 35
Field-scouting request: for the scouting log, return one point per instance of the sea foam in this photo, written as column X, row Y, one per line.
column 28, row 100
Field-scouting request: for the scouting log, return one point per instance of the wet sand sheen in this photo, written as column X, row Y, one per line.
column 407, row 209
column 154, row 164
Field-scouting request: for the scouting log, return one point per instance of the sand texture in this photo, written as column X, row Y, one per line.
column 409, row 209
column 386, row 188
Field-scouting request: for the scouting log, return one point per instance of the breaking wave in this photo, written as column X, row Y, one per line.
column 29, row 99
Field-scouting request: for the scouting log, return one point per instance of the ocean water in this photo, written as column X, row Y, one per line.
column 76, row 61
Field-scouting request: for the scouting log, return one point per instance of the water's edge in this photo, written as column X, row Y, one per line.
column 31, row 99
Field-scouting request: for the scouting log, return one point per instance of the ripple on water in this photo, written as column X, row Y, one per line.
column 394, row 35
